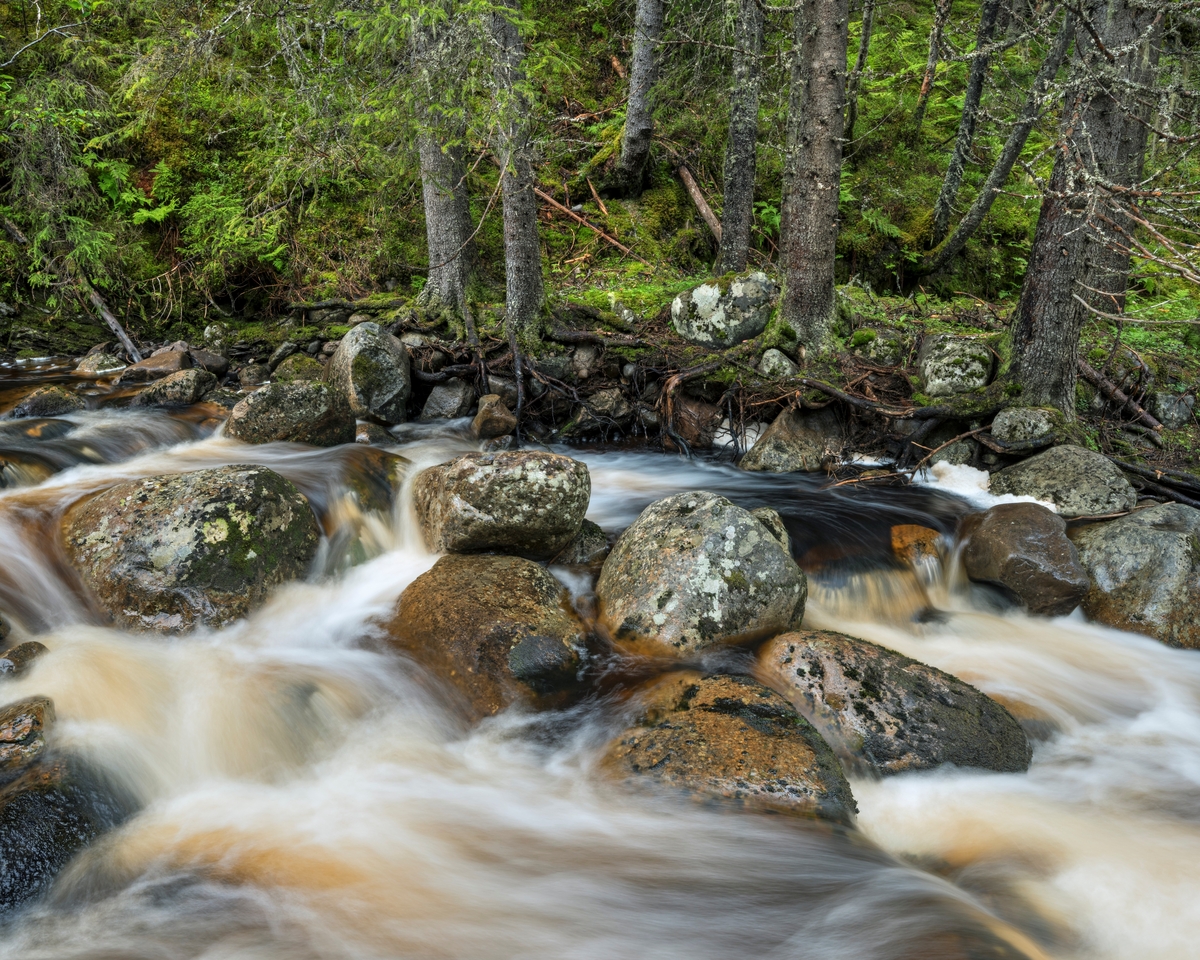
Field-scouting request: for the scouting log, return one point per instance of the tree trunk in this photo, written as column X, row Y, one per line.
column 1013, row 146
column 639, row 121
column 812, row 169
column 966, row 124
column 1068, row 247
column 941, row 15
column 860, row 65
column 737, row 213
column 524, row 291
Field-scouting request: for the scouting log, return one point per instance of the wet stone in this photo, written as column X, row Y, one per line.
column 99, row 364
column 177, row 390
column 797, row 441
column 448, row 401
column 1079, row 482
column 214, row 363
column 15, row 661
column 254, row 374
column 371, row 372
column 155, row 368
column 23, row 728
column 588, row 547
column 51, row 401
column 294, row 412
column 493, row 420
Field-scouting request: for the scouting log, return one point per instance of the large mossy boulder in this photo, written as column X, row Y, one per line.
column 178, row 389
column 294, row 413
column 49, row 401
column 720, row 315
column 696, row 570
column 797, row 441
column 1077, row 481
column 497, row 629
column 51, row 804
column 1145, row 573
column 1024, row 547
column 527, row 503
column 171, row 553
column 371, row 371
column 887, row 713
column 949, row 365
column 729, row 738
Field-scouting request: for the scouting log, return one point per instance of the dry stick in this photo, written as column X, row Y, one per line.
column 1114, row 393
column 591, row 226
column 596, row 197
column 962, row 436
column 693, row 189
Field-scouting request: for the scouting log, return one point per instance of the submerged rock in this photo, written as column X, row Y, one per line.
column 1077, row 481
column 948, row 365
column 498, row 629
column 371, row 370
column 695, row 570
column 51, row 401
column 171, row 553
column 888, row 712
column 448, row 401
column 294, row 412
column 730, row 737
column 1024, row 547
column 493, row 420
column 1145, row 573
column 797, row 440
column 527, row 503
column 714, row 316
column 178, row 390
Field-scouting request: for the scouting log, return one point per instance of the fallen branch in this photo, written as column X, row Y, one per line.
column 1162, row 491
column 1018, row 449
column 1114, row 393
column 693, row 189
column 560, row 335
column 596, row 197
column 962, row 436
column 591, row 226
column 113, row 323
column 1172, row 477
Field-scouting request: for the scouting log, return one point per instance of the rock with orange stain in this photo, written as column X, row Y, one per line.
column 916, row 545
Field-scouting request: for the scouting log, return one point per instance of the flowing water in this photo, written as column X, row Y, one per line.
column 305, row 793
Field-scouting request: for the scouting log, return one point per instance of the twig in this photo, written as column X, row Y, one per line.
column 693, row 190
column 596, row 196
column 591, row 226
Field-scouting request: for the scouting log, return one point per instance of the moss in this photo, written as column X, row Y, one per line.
column 860, row 338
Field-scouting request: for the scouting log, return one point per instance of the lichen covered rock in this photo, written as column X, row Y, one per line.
column 171, row 553
column 155, row 367
column 1024, row 548
column 695, row 570
column 948, row 365
column 1026, row 424
column 797, row 441
column 730, row 738
column 716, row 316
column 1077, row 481
column 293, row 412
column 1145, row 573
column 527, row 503
column 177, row 390
column 371, row 371
column 777, row 365
column 51, row 401
column 887, row 713
column 448, row 401
column 497, row 629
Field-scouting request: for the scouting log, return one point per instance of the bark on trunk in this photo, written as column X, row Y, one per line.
column 941, row 15
column 741, row 150
column 1069, row 245
column 1011, row 150
column 524, row 291
column 639, row 121
column 812, row 169
column 854, row 84
column 966, row 124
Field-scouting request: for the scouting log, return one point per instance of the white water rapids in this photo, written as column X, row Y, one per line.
column 306, row 795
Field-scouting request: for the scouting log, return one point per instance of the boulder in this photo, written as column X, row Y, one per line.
column 292, row 412
column 178, row 346
column 298, row 368
column 155, row 368
column 214, row 363
column 714, row 315
column 498, row 629
column 99, row 365
column 777, row 365
column 1145, row 573
column 1026, row 424
column 370, row 369
column 887, row 713
column 177, row 390
column 170, row 553
column 51, row 401
column 527, row 503
column 372, row 433
column 604, row 409
column 919, row 547
column 281, row 353
column 254, row 375
column 1077, row 481
column 1173, row 410
column 588, row 547
column 797, row 440
column 774, row 523
column 15, row 661
column 448, row 401
column 505, row 389
column 730, row 738
column 948, row 365
column 494, row 419
column 695, row 570
column 1024, row 547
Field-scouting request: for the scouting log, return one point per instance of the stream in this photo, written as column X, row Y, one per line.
column 304, row 792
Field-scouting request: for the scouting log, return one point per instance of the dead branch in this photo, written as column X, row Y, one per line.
column 1114, row 393
column 693, row 189
column 591, row 226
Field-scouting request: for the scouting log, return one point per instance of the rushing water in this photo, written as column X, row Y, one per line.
column 305, row 794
